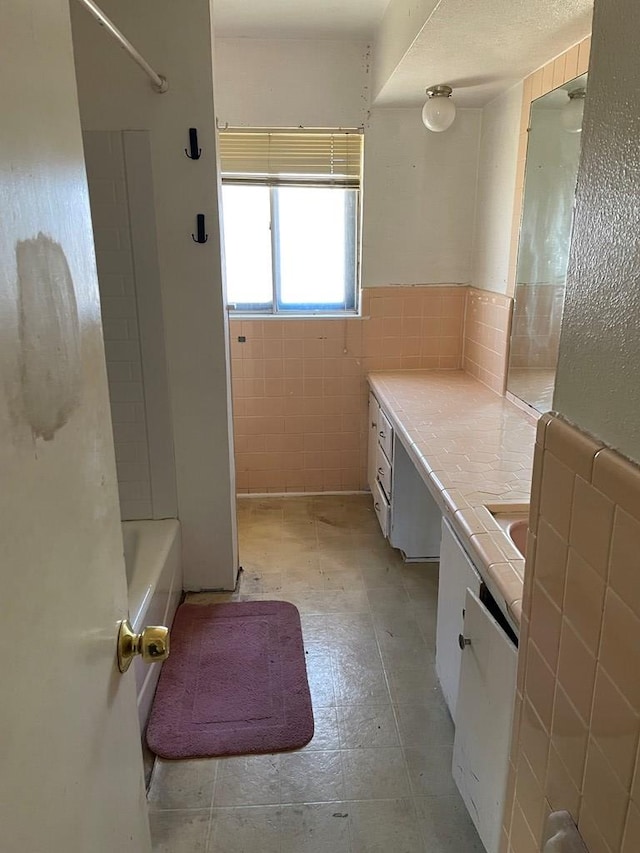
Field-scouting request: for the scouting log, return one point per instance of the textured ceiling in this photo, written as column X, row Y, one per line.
column 338, row 19
column 482, row 47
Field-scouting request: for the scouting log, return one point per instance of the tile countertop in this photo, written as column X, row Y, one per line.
column 473, row 449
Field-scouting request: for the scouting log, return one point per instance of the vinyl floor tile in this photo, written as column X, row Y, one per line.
column 367, row 726
column 180, row 831
column 380, row 827
column 308, row 777
column 315, row 828
column 182, row 784
column 374, row 774
column 446, row 825
column 248, row 780
column 245, row 830
column 376, row 777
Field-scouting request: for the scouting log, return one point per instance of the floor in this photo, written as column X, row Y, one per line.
column 376, row 778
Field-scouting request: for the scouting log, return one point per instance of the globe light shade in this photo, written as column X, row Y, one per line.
column 439, row 111
column 573, row 111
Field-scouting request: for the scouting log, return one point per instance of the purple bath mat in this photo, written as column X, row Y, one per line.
column 234, row 683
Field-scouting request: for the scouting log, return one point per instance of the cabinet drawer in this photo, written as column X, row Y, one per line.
column 383, row 471
column 372, row 444
column 385, row 434
column 381, row 506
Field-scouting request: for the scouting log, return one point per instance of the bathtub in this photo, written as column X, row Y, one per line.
column 154, row 580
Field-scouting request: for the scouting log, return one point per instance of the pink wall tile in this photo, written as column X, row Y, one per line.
column 486, row 337
column 299, row 385
column 579, row 653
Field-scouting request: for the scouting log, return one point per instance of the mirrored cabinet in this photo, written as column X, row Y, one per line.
column 553, row 154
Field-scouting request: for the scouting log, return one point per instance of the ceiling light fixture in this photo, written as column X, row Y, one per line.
column 439, row 111
column 573, row 111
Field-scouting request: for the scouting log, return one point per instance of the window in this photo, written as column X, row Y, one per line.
column 291, row 203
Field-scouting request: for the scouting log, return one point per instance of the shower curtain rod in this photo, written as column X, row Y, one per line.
column 158, row 82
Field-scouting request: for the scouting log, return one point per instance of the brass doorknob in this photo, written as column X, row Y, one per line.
column 152, row 644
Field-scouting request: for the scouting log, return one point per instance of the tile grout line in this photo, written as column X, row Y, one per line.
column 394, row 712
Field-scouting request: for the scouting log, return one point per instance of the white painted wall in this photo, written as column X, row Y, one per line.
column 419, row 187
column 114, row 95
column 597, row 381
column 291, row 82
column 419, row 199
column 497, row 167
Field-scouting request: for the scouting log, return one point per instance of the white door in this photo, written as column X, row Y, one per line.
column 484, row 714
column 457, row 574
column 70, row 757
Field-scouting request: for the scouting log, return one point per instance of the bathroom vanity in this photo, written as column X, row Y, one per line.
column 408, row 514
column 450, row 470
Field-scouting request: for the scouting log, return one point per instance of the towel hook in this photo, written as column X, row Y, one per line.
column 202, row 237
column 194, row 152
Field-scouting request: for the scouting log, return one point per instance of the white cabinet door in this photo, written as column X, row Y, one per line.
column 372, row 448
column 457, row 574
column 484, row 715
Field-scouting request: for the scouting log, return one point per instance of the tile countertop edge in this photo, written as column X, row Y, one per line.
column 493, row 552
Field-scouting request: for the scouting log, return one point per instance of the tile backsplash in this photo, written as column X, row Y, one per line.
column 577, row 720
column 486, row 337
column 300, row 391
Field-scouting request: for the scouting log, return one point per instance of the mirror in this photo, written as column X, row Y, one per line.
column 553, row 153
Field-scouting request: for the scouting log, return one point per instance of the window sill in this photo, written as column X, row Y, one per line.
column 291, row 315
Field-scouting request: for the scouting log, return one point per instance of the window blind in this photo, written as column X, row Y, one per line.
column 291, row 157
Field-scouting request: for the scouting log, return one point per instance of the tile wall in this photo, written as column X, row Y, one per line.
column 577, row 720
column 300, row 391
column 106, row 174
column 299, row 385
column 486, row 337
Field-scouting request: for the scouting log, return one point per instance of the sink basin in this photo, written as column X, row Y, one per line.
column 517, row 532
column 513, row 518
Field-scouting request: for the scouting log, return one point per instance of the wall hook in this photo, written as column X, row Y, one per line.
column 202, row 237
column 194, row 152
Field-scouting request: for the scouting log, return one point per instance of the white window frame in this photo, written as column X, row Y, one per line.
column 351, row 306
